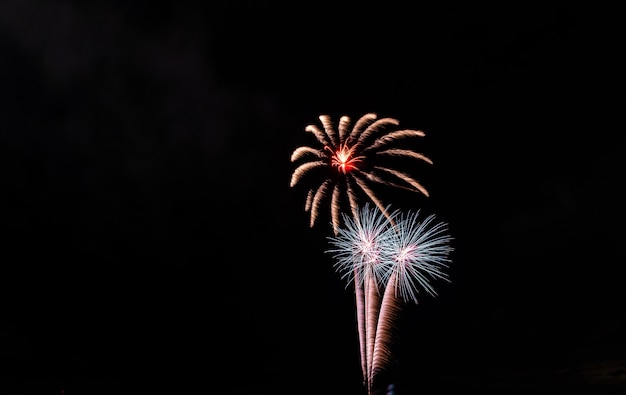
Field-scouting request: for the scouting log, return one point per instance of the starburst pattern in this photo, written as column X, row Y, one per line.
column 396, row 254
column 359, row 245
column 355, row 158
column 417, row 251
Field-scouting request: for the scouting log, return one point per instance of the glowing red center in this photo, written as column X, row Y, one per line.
column 343, row 159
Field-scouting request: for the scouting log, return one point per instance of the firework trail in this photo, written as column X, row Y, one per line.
column 356, row 158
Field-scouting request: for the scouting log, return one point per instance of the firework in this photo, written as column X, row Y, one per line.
column 416, row 250
column 397, row 254
column 386, row 255
column 356, row 159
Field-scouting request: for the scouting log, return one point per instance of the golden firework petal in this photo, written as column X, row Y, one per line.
column 405, row 153
column 374, row 178
column 375, row 127
column 319, row 195
column 404, row 177
column 319, row 135
column 360, row 124
column 344, row 124
column 330, row 130
column 393, row 136
column 335, row 207
column 354, row 206
column 302, row 151
column 370, row 193
column 309, row 200
column 303, row 169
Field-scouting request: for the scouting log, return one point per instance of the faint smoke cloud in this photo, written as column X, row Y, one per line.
column 77, row 44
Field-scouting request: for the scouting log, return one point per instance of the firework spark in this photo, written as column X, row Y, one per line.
column 355, row 157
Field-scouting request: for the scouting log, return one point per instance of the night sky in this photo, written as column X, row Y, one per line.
column 151, row 241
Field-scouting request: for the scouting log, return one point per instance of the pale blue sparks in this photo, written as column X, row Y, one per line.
column 417, row 251
column 359, row 244
column 402, row 249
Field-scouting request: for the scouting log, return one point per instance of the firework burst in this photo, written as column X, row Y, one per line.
column 396, row 255
column 359, row 245
column 416, row 251
column 355, row 158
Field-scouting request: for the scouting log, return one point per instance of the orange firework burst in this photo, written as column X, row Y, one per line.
column 355, row 154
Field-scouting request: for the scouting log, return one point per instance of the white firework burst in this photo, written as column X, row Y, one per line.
column 359, row 245
column 416, row 251
column 398, row 254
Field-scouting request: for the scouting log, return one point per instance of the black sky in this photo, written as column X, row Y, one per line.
column 152, row 241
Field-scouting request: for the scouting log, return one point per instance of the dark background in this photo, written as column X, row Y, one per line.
column 151, row 241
